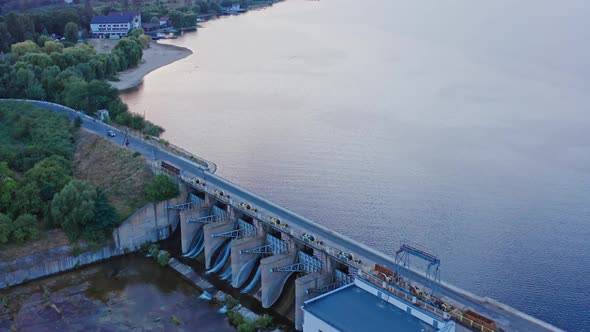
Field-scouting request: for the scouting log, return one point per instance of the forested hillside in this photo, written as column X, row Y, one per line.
column 37, row 187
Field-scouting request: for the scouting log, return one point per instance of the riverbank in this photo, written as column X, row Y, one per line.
column 156, row 56
column 129, row 292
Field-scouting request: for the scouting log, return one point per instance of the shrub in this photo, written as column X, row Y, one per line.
column 5, row 228
column 154, row 250
column 161, row 188
column 25, row 227
column 246, row 327
column 163, row 258
column 145, row 247
column 230, row 302
column 77, row 250
column 264, row 321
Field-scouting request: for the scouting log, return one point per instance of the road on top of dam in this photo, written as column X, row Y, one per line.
column 506, row 318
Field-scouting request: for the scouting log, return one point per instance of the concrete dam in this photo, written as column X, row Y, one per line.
column 284, row 259
column 272, row 253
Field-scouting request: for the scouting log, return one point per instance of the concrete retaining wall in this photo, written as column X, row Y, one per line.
column 50, row 262
column 153, row 222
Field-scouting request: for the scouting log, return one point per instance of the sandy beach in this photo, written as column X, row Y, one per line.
column 156, row 56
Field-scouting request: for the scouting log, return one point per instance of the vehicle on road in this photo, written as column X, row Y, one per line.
column 111, row 133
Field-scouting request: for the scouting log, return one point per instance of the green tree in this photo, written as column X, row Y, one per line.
column 5, row 171
column 177, row 18
column 53, row 47
column 131, row 120
column 88, row 12
column 74, row 207
column 76, row 94
column 34, row 90
column 71, row 32
column 105, row 220
column 129, row 51
column 136, row 32
column 50, row 175
column 43, row 39
column 189, row 20
column 5, row 38
column 26, row 200
column 5, row 228
column 145, row 41
column 22, row 48
column 25, row 227
column 161, row 188
column 7, row 190
column 41, row 60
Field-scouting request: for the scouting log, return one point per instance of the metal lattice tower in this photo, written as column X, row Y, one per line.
column 402, row 258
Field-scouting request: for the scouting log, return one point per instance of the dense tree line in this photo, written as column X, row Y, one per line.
column 37, row 187
column 73, row 76
column 15, row 28
column 186, row 16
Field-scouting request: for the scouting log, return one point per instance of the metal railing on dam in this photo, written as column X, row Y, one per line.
column 334, row 244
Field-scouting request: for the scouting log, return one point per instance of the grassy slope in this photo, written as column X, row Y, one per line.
column 122, row 176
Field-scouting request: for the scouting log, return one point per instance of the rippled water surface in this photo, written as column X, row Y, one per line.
column 460, row 125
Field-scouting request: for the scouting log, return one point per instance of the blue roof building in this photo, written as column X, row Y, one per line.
column 102, row 19
column 362, row 307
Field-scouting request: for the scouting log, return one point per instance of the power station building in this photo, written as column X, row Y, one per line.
column 361, row 307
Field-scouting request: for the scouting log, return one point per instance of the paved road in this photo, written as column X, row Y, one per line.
column 508, row 319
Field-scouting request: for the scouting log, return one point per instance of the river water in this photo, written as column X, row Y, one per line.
column 129, row 293
column 458, row 125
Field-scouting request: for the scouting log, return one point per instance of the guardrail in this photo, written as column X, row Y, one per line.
column 470, row 323
column 403, row 294
column 265, row 218
column 211, row 166
column 169, row 147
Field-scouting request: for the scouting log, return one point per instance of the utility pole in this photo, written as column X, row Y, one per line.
column 125, row 139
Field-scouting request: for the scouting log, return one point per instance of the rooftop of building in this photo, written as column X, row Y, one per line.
column 101, row 19
column 352, row 309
